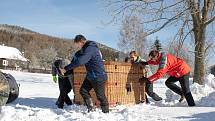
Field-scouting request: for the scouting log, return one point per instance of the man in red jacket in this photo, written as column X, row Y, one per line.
column 176, row 68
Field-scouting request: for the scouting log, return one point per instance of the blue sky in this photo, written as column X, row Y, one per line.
column 66, row 18
column 63, row 18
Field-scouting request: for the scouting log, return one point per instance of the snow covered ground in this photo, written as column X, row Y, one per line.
column 38, row 95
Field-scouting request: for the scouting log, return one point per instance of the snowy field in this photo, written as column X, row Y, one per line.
column 38, row 95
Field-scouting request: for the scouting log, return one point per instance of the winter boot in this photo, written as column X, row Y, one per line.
column 56, row 103
column 105, row 109
column 68, row 100
column 89, row 104
column 189, row 99
column 182, row 98
column 156, row 97
column 59, row 104
column 145, row 101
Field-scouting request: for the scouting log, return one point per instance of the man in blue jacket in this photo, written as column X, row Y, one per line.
column 90, row 56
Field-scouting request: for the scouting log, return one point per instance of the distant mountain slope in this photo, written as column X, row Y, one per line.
column 14, row 29
column 40, row 48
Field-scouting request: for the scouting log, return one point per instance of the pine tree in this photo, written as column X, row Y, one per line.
column 157, row 45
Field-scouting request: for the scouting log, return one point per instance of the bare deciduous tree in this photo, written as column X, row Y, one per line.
column 190, row 17
column 34, row 61
column 46, row 57
column 132, row 35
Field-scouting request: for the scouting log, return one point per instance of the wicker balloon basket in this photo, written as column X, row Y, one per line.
column 122, row 86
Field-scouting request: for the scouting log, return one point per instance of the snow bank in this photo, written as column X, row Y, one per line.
column 210, row 81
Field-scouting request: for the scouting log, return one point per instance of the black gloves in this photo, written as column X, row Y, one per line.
column 144, row 63
column 144, row 79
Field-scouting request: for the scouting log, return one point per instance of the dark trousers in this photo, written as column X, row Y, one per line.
column 149, row 89
column 64, row 87
column 99, row 88
column 184, row 90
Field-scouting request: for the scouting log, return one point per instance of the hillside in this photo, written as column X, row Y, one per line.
column 40, row 48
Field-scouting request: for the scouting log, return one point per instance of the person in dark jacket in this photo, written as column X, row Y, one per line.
column 91, row 57
column 64, row 82
column 135, row 58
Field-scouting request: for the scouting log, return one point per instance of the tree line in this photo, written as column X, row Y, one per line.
column 41, row 49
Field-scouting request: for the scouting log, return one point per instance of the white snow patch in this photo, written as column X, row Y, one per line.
column 38, row 94
column 210, row 81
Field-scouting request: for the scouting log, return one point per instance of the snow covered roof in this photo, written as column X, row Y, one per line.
column 11, row 53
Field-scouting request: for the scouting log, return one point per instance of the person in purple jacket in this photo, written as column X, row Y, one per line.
column 90, row 56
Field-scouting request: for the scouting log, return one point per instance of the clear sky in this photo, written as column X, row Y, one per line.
column 66, row 18
column 63, row 18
